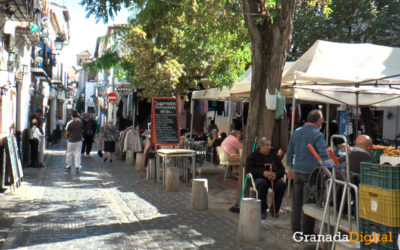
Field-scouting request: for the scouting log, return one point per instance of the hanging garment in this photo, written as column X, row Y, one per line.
column 125, row 108
column 280, row 137
column 280, row 105
column 270, row 100
column 120, row 108
column 132, row 141
column 129, row 106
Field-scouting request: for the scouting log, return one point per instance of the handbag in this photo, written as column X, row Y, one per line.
column 100, row 153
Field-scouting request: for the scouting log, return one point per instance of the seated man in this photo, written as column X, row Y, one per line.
column 257, row 164
column 361, row 152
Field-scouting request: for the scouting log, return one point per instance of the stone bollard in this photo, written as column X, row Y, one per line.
column 151, row 169
column 138, row 162
column 249, row 228
column 199, row 194
column 172, row 180
column 129, row 157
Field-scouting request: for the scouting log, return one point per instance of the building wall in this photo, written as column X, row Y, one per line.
column 89, row 92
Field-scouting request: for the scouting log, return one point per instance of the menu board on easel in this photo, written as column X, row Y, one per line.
column 165, row 121
column 18, row 158
column 12, row 166
column 3, row 163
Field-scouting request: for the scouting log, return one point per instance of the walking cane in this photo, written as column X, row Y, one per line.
column 273, row 192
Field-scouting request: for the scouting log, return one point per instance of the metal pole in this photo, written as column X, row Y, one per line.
column 134, row 108
column 356, row 132
column 230, row 115
column 327, row 123
column 114, row 111
column 191, row 117
column 293, row 115
column 291, row 133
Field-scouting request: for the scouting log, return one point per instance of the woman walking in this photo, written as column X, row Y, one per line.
column 109, row 137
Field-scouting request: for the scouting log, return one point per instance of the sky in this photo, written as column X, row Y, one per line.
column 84, row 31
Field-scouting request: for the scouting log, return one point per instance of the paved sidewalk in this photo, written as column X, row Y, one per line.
column 108, row 206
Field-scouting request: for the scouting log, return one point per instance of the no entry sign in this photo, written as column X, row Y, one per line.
column 112, row 97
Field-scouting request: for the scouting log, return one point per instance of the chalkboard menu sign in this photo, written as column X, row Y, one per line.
column 18, row 158
column 3, row 163
column 12, row 161
column 165, row 121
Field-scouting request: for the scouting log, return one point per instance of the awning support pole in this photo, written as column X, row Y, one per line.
column 230, row 115
column 191, row 117
column 293, row 115
column 327, row 123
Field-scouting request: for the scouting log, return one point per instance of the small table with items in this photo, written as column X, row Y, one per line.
column 165, row 154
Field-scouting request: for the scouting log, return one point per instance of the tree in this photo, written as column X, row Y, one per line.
column 358, row 21
column 177, row 47
column 269, row 24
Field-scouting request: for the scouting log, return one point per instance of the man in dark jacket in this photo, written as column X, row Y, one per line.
column 89, row 130
column 361, row 153
column 267, row 168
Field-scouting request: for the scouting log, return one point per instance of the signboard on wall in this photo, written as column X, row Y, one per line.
column 165, row 124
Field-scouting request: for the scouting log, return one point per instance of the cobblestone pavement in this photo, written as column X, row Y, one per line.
column 108, row 206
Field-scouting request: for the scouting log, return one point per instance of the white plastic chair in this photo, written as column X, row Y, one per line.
column 253, row 189
column 224, row 162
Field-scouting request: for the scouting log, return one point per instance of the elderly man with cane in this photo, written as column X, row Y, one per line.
column 267, row 170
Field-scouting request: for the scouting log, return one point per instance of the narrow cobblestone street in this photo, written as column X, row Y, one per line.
column 108, row 206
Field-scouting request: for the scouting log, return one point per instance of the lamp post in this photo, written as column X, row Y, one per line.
column 11, row 61
column 59, row 43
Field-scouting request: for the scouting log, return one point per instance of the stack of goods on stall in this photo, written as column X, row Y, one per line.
column 380, row 201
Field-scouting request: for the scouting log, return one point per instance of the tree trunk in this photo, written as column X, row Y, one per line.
column 270, row 42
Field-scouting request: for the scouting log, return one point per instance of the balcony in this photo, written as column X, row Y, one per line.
column 30, row 37
column 20, row 10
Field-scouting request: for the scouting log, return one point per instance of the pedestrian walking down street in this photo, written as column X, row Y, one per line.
column 108, row 138
column 74, row 146
column 301, row 163
column 35, row 136
column 89, row 130
column 59, row 128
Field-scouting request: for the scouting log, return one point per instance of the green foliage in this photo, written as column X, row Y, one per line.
column 357, row 21
column 105, row 10
column 172, row 48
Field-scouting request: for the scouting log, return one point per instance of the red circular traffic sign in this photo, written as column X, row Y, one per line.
column 112, row 97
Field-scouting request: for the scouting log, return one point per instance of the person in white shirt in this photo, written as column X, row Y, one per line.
column 35, row 135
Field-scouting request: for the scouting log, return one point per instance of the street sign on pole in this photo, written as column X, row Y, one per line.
column 112, row 97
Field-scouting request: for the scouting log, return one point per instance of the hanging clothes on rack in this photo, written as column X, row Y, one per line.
column 130, row 140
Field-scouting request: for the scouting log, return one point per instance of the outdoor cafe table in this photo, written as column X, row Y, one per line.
column 170, row 153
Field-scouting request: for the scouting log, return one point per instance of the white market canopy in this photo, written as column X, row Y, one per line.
column 346, row 73
column 341, row 73
column 344, row 64
column 212, row 94
column 243, row 88
column 335, row 73
column 381, row 96
column 224, row 94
